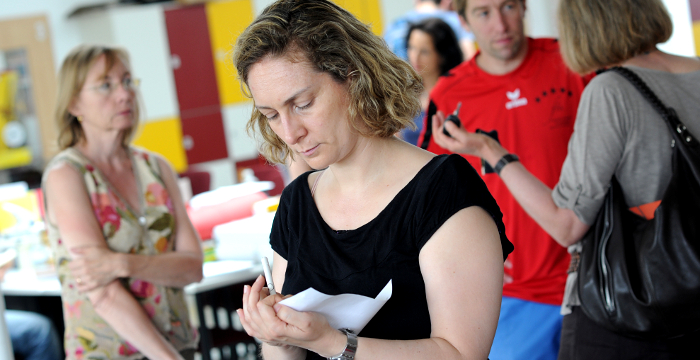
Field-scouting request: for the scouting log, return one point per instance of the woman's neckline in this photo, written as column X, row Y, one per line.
column 138, row 213
column 317, row 213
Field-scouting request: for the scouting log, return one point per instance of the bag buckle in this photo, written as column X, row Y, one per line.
column 575, row 261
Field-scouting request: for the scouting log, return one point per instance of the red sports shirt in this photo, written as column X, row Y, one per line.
column 533, row 108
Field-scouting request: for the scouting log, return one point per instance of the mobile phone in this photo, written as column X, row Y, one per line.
column 454, row 117
column 485, row 167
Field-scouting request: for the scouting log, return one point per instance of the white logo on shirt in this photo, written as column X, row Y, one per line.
column 515, row 99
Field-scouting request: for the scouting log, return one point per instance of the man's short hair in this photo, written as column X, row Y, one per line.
column 600, row 33
column 461, row 7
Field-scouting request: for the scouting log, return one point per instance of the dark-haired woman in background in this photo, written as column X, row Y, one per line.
column 433, row 50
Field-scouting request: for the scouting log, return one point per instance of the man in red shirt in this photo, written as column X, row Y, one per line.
column 521, row 88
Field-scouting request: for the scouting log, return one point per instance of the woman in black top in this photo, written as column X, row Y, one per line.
column 329, row 91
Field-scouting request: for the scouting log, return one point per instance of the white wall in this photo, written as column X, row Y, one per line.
column 542, row 22
column 392, row 9
column 681, row 42
column 64, row 34
column 148, row 49
column 541, row 18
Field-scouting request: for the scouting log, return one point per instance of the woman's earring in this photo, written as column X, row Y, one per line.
column 80, row 118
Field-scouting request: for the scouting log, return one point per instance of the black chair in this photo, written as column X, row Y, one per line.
column 221, row 335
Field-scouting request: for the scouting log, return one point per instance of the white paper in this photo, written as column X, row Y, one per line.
column 7, row 256
column 226, row 193
column 344, row 311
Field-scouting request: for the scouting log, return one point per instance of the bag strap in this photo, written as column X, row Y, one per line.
column 667, row 113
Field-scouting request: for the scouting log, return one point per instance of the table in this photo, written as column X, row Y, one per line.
column 214, row 300
column 216, row 274
column 27, row 283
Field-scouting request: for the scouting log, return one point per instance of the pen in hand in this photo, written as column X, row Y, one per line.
column 268, row 275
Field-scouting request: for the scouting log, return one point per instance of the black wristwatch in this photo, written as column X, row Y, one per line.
column 350, row 348
column 505, row 160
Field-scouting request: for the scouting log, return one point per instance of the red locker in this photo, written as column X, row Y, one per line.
column 195, row 81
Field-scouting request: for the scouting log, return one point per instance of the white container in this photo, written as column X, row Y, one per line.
column 244, row 239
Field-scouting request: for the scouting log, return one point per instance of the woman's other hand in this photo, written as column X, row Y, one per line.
column 265, row 319
column 258, row 316
column 94, row 266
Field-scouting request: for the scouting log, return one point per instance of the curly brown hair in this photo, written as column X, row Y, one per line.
column 383, row 89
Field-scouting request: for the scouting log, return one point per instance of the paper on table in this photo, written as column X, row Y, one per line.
column 344, row 311
column 7, row 256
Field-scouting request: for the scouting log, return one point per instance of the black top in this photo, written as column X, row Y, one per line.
column 363, row 260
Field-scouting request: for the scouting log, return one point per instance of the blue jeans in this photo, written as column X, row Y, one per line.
column 33, row 335
column 526, row 331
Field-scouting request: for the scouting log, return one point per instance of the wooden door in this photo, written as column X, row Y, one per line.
column 33, row 35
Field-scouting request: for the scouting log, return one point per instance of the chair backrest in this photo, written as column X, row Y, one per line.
column 200, row 180
column 267, row 172
column 221, row 334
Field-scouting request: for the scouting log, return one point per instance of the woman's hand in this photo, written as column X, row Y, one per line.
column 277, row 325
column 464, row 142
column 258, row 316
column 93, row 266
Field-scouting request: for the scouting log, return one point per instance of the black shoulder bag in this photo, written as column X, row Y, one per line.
column 641, row 277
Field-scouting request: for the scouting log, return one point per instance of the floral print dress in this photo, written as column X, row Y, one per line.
column 125, row 230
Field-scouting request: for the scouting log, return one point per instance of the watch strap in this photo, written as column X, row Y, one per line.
column 350, row 348
column 505, row 160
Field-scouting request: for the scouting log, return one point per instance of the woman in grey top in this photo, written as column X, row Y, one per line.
column 616, row 133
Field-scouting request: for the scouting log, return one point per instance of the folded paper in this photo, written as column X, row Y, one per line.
column 344, row 311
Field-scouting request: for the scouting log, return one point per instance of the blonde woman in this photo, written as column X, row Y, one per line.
column 116, row 221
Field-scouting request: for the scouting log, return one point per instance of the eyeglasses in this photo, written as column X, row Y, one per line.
column 108, row 87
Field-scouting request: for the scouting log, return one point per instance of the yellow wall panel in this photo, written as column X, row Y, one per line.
column 164, row 136
column 10, row 157
column 696, row 35
column 226, row 20
column 368, row 11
